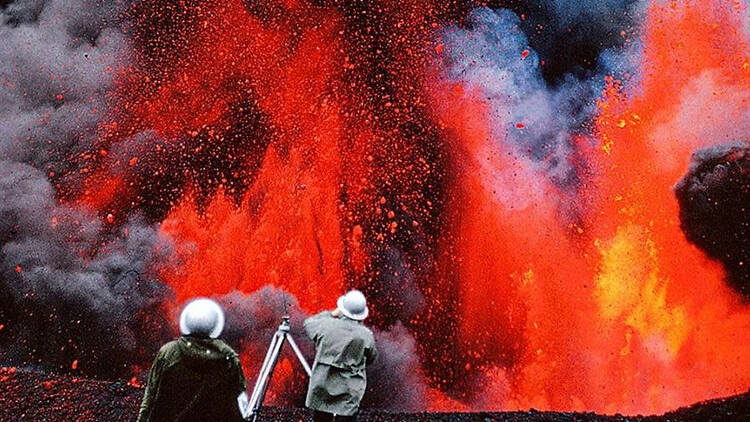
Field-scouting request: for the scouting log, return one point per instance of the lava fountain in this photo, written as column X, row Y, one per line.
column 616, row 309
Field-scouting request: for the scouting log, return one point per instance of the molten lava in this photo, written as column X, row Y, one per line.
column 616, row 312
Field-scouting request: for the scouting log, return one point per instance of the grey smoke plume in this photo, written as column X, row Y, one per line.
column 397, row 369
column 532, row 120
column 68, row 293
column 59, row 60
column 71, row 287
column 493, row 57
column 252, row 319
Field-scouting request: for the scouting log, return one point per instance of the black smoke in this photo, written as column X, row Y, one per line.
column 571, row 36
column 67, row 293
column 714, row 199
column 73, row 287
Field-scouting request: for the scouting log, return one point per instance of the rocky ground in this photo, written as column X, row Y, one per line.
column 28, row 395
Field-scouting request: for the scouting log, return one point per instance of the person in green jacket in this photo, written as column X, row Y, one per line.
column 343, row 349
column 196, row 377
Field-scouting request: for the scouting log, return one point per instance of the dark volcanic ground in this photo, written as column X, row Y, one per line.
column 28, row 395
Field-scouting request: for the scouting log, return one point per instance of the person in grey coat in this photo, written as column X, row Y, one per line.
column 343, row 349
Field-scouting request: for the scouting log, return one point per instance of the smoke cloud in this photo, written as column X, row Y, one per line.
column 530, row 120
column 59, row 61
column 252, row 319
column 73, row 287
column 397, row 369
column 534, row 119
column 94, row 298
column 714, row 197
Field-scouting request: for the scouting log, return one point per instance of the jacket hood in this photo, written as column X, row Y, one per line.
column 204, row 353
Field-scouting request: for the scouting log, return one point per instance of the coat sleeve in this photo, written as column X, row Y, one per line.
column 152, row 387
column 239, row 374
column 238, row 388
column 314, row 324
column 371, row 354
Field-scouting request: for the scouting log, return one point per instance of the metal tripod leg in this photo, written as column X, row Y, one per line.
column 269, row 363
column 264, row 376
column 299, row 354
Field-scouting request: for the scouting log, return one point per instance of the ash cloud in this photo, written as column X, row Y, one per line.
column 493, row 57
column 714, row 198
column 252, row 319
column 67, row 294
column 396, row 370
column 572, row 35
column 59, row 61
column 72, row 287
column 534, row 120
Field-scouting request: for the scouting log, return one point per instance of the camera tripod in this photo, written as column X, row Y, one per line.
column 269, row 363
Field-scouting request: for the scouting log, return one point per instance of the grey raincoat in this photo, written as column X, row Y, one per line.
column 343, row 348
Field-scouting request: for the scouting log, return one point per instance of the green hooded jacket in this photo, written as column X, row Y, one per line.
column 193, row 379
column 343, row 349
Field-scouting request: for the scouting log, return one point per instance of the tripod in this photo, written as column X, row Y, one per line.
column 269, row 363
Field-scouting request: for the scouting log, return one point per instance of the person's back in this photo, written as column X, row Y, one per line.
column 193, row 378
column 340, row 341
column 343, row 349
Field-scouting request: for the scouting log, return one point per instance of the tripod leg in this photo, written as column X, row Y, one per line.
column 269, row 372
column 264, row 377
column 299, row 354
column 262, row 381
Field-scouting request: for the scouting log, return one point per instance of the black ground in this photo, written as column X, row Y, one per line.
column 29, row 395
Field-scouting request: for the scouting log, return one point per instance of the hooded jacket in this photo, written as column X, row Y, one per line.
column 193, row 379
column 343, row 349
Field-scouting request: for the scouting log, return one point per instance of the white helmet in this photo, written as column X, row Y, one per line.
column 353, row 305
column 202, row 317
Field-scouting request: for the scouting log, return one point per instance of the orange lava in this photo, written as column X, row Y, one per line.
column 286, row 231
column 613, row 311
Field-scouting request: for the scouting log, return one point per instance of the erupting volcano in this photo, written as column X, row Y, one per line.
column 546, row 204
